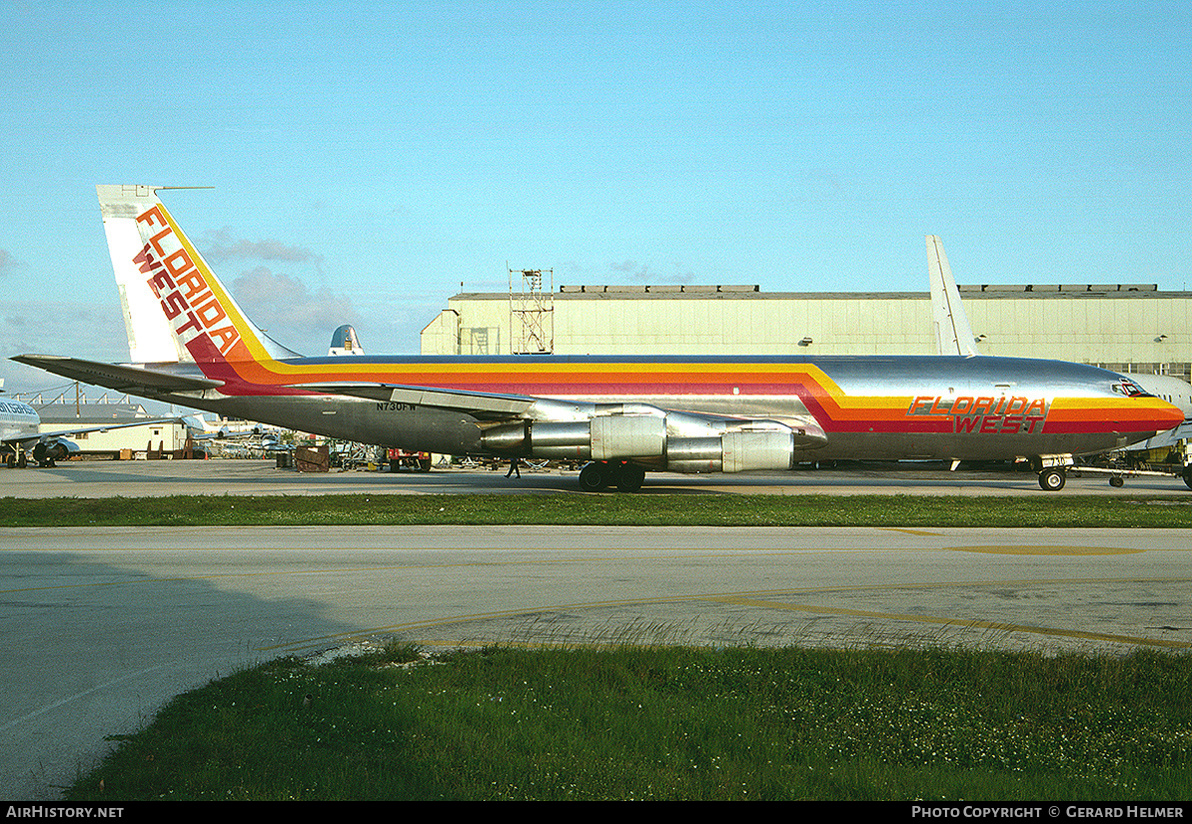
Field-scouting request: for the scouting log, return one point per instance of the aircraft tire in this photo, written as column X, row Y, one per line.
column 1052, row 479
column 594, row 476
column 630, row 478
column 1188, row 476
column 1115, row 481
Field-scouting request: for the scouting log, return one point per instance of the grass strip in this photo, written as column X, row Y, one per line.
column 672, row 723
column 628, row 510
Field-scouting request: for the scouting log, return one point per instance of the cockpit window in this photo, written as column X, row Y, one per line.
column 1128, row 388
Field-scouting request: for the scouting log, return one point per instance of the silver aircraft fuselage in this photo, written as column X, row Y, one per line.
column 880, row 408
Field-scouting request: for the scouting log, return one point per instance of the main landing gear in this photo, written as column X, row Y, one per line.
column 598, row 475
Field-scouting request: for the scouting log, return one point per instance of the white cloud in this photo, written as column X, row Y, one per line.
column 93, row 331
column 7, row 263
column 643, row 273
column 221, row 245
column 291, row 313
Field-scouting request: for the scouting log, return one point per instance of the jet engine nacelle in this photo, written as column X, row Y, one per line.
column 58, row 449
column 675, row 441
column 734, row 451
column 604, row 438
column 616, row 432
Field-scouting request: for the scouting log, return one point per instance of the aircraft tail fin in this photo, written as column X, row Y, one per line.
column 175, row 308
column 345, row 342
column 953, row 334
column 150, row 338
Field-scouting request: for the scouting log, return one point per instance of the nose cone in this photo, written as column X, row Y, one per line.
column 1149, row 416
column 1169, row 417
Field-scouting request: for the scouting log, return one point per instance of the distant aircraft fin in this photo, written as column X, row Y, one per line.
column 345, row 342
column 953, row 335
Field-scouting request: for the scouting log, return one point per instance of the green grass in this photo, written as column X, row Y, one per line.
column 631, row 510
column 672, row 723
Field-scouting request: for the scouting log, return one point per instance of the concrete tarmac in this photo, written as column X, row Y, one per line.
column 99, row 479
column 103, row 626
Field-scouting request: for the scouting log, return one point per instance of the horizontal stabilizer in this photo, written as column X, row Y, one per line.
column 122, row 378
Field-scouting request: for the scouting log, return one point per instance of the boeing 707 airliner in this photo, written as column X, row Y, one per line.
column 191, row 344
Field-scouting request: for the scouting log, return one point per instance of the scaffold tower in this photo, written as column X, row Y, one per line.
column 531, row 312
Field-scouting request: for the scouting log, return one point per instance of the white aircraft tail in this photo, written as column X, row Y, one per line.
column 953, row 335
column 150, row 338
column 175, row 308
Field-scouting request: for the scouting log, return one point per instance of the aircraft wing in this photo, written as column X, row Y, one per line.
column 121, row 377
column 480, row 403
column 804, row 429
column 1164, row 439
column 510, row 410
column 79, row 430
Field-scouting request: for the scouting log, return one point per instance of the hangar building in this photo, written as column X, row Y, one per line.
column 154, row 437
column 1126, row 328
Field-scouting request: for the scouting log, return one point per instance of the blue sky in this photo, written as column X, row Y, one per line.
column 366, row 161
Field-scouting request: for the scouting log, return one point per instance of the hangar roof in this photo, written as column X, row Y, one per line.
column 753, row 292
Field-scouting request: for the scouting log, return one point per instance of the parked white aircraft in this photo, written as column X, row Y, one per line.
column 20, row 435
